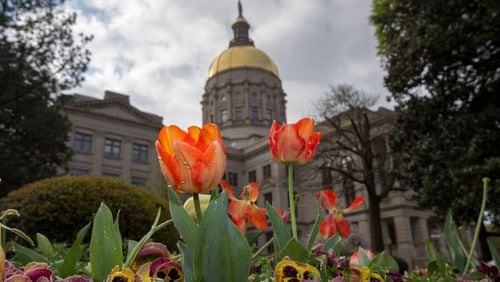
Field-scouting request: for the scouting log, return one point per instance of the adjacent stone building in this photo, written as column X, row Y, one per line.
column 112, row 138
column 243, row 94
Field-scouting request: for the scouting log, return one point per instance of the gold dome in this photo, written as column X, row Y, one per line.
column 242, row 56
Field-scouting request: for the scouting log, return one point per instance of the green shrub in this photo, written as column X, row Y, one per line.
column 58, row 207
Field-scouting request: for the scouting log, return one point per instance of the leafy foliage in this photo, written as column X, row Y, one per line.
column 58, row 207
column 442, row 60
column 39, row 57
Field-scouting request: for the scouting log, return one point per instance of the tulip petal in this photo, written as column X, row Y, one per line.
column 168, row 166
column 343, row 227
column 209, row 133
column 304, row 128
column 311, row 148
column 355, row 203
column 210, row 168
column 328, row 199
column 237, row 209
column 253, row 191
column 327, row 227
column 258, row 219
column 167, row 136
column 194, row 134
column 229, row 190
column 289, row 144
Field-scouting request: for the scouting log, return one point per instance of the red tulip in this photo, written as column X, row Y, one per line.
column 192, row 161
column 294, row 143
column 335, row 221
column 245, row 210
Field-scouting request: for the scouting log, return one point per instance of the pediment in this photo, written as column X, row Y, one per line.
column 117, row 110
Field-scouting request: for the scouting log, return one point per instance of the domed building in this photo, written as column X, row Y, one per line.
column 243, row 92
column 243, row 95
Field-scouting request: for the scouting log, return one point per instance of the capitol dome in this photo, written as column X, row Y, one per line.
column 242, row 57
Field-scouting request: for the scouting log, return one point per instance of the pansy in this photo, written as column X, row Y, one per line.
column 192, row 161
column 117, row 275
column 294, row 143
column 246, row 209
column 149, row 252
column 162, row 269
column 335, row 222
column 290, row 270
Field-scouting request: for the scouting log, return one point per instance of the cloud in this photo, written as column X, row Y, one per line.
column 159, row 51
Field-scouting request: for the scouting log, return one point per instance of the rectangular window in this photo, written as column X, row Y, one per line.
column 223, row 115
column 140, row 152
column 255, row 113
column 82, row 143
column 252, row 176
column 78, row 171
column 139, row 181
column 110, row 174
column 269, row 114
column 232, row 179
column 112, row 147
column 238, row 113
column 268, row 197
column 266, row 171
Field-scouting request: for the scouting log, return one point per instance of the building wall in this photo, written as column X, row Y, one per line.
column 104, row 119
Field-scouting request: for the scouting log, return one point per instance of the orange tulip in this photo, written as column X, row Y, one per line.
column 294, row 143
column 192, row 161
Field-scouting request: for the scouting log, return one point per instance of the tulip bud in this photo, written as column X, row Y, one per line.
column 189, row 205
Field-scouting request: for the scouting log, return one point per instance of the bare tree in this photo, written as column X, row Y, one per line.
column 355, row 147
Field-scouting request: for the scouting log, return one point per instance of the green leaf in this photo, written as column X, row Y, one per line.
column 453, row 241
column 294, row 250
column 116, row 224
column 332, row 243
column 493, row 250
column 384, row 260
column 222, row 252
column 315, row 229
column 364, row 260
column 43, row 243
column 68, row 267
column 183, row 222
column 431, row 251
column 252, row 236
column 281, row 234
column 25, row 255
column 105, row 248
column 187, row 261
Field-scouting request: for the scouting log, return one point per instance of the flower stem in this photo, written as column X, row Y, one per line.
column 486, row 182
column 197, row 206
column 291, row 198
column 263, row 248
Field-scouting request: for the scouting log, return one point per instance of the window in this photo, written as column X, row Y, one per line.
column 238, row 113
column 78, row 171
column 252, row 176
column 269, row 114
column 139, row 181
column 82, row 143
column 238, row 95
column 223, row 115
column 140, row 152
column 349, row 192
column 232, row 179
column 112, row 147
column 254, row 96
column 266, row 171
column 268, row 198
column 211, row 118
column 268, row 97
column 110, row 174
column 255, row 113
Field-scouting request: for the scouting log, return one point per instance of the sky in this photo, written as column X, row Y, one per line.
column 158, row 51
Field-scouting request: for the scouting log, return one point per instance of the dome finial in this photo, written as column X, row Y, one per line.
column 240, row 9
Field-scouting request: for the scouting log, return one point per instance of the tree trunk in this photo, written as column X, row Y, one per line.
column 377, row 240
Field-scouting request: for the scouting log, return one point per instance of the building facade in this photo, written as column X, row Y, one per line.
column 243, row 94
column 112, row 138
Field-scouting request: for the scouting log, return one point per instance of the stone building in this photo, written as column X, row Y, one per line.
column 243, row 94
column 112, row 138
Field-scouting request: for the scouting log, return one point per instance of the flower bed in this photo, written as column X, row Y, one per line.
column 213, row 224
